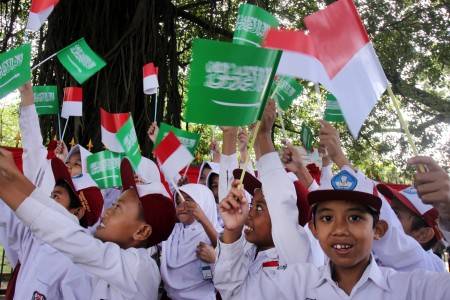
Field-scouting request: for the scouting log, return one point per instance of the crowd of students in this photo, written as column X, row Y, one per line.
column 280, row 234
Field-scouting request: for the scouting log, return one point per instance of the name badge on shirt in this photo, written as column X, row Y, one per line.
column 206, row 272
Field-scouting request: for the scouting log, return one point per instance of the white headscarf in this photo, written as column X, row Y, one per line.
column 180, row 267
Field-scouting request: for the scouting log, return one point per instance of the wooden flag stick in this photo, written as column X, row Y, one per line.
column 65, row 127
column 186, row 170
column 404, row 125
column 177, row 190
column 280, row 114
column 251, row 144
column 48, row 58
column 156, row 105
column 59, row 127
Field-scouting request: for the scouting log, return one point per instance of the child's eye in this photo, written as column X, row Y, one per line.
column 326, row 219
column 354, row 218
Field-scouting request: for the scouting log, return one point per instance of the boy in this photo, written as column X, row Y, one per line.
column 345, row 221
column 116, row 257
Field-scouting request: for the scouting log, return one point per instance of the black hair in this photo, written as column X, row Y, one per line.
column 418, row 223
column 74, row 201
column 375, row 215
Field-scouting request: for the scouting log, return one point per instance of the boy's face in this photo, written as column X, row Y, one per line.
column 74, row 164
column 404, row 215
column 183, row 215
column 122, row 220
column 204, row 175
column 258, row 227
column 345, row 232
column 61, row 195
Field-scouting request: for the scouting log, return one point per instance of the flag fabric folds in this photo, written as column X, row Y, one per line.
column 14, row 69
column 188, row 139
column 73, row 102
column 111, row 123
column 39, row 12
column 46, row 99
column 150, row 81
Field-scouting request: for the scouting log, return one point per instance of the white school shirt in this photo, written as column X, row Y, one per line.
column 44, row 270
column 116, row 273
column 291, row 241
column 236, row 277
column 36, row 167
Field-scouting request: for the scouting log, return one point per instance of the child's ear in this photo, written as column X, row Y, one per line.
column 78, row 212
column 380, row 229
column 313, row 229
column 143, row 232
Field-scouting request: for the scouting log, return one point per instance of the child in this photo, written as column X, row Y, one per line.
column 116, row 257
column 345, row 221
column 418, row 220
column 61, row 278
column 184, row 274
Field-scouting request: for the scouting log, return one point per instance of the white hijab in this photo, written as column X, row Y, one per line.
column 180, row 267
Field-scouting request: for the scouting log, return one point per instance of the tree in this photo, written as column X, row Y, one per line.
column 410, row 37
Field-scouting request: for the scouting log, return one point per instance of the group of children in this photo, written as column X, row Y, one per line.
column 281, row 233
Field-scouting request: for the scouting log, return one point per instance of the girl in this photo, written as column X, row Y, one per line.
column 184, row 274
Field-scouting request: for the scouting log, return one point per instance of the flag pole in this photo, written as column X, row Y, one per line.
column 48, row 58
column 280, row 114
column 404, row 125
column 65, row 127
column 59, row 126
column 156, row 105
column 177, row 190
column 251, row 144
column 186, row 170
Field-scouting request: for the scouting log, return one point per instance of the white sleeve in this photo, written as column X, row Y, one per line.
column 227, row 164
column 313, row 186
column 396, row 249
column 231, row 268
column 326, row 173
column 106, row 260
column 34, row 153
column 290, row 239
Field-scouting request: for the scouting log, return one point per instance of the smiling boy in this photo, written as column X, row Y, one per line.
column 116, row 258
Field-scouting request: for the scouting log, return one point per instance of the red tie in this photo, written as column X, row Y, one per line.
column 11, row 288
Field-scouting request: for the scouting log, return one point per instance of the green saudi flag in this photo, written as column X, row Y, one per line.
column 80, row 60
column 285, row 91
column 104, row 168
column 251, row 25
column 14, row 69
column 228, row 83
column 306, row 137
column 188, row 139
column 46, row 99
column 128, row 140
column 333, row 112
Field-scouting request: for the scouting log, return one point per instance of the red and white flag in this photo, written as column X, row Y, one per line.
column 111, row 123
column 172, row 156
column 338, row 53
column 73, row 102
column 39, row 12
column 150, row 79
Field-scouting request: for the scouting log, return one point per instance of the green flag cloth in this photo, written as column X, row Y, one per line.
column 80, row 60
column 14, row 69
column 306, row 137
column 333, row 112
column 251, row 25
column 104, row 168
column 188, row 139
column 286, row 90
column 46, row 99
column 128, row 140
column 228, row 83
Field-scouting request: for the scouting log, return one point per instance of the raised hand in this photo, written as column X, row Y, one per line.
column 61, row 151
column 206, row 253
column 330, row 140
column 234, row 208
column 153, row 132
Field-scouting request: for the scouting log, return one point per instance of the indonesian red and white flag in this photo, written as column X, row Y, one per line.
column 150, row 79
column 39, row 12
column 337, row 52
column 73, row 102
column 111, row 123
column 172, row 156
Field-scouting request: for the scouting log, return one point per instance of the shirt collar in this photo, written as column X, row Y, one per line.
column 372, row 272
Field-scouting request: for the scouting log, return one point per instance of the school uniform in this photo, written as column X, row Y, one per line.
column 181, row 270
column 44, row 272
column 237, row 277
column 115, row 273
